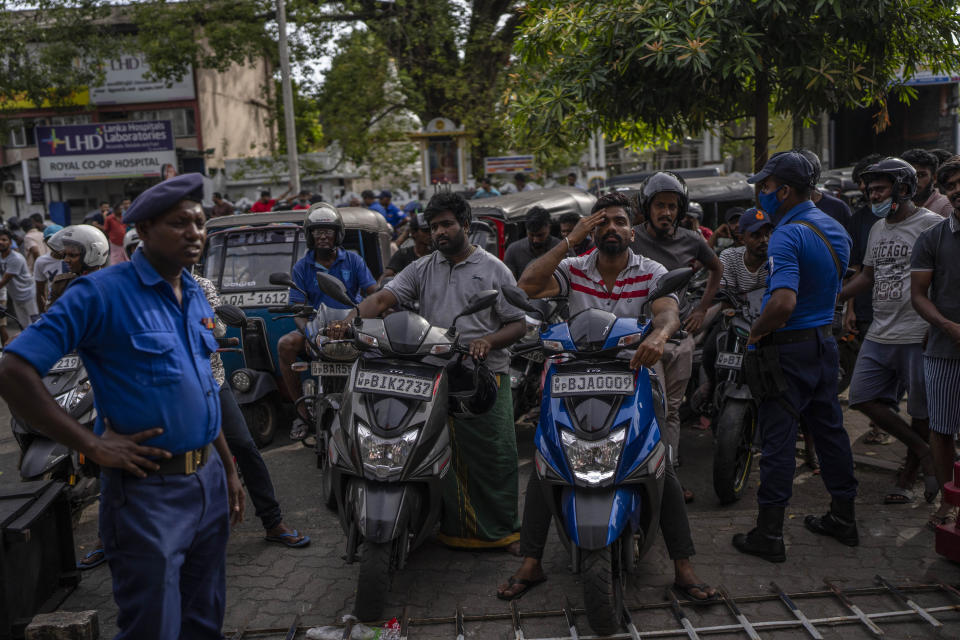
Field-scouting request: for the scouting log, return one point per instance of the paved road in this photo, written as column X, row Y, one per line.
column 269, row 585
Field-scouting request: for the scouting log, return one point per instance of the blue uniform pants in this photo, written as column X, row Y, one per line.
column 165, row 537
column 810, row 369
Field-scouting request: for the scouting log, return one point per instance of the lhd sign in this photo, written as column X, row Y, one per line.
column 107, row 150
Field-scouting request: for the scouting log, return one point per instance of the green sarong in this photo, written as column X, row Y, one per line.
column 480, row 491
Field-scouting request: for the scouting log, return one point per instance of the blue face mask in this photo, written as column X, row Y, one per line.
column 769, row 202
column 881, row 210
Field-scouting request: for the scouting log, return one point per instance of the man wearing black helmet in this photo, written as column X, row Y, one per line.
column 663, row 203
column 792, row 362
column 480, row 496
column 323, row 230
column 891, row 355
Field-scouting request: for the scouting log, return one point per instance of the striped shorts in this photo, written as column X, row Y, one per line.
column 943, row 393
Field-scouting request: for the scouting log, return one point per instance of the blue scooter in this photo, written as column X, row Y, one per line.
column 598, row 448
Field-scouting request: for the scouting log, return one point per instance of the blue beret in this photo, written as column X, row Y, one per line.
column 162, row 197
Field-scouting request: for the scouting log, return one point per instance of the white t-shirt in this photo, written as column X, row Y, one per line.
column 45, row 269
column 20, row 287
column 889, row 247
column 737, row 276
column 583, row 286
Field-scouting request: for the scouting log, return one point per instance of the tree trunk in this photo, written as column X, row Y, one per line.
column 761, row 121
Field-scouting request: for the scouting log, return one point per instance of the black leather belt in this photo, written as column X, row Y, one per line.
column 797, row 335
column 184, row 463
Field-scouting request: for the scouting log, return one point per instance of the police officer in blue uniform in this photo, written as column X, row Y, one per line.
column 145, row 333
column 792, row 359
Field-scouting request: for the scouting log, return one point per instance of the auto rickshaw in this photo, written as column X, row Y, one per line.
column 499, row 221
column 242, row 251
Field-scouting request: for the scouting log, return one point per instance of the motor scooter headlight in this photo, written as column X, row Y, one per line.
column 339, row 351
column 385, row 456
column 593, row 462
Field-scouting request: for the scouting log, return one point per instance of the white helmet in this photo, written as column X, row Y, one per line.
column 131, row 240
column 96, row 249
column 55, row 242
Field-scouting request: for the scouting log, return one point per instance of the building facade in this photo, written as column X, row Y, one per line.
column 211, row 115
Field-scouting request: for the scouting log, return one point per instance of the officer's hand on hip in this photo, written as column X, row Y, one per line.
column 648, row 353
column 237, row 498
column 118, row 451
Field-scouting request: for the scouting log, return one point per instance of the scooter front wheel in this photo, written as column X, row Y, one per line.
column 374, row 579
column 603, row 584
column 733, row 450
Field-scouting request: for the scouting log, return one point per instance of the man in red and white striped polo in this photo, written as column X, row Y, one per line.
column 615, row 279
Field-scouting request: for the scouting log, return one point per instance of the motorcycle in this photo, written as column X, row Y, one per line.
column 598, row 448
column 388, row 445
column 735, row 427
column 40, row 457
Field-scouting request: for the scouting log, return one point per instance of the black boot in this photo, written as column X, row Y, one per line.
column 838, row 523
column 766, row 539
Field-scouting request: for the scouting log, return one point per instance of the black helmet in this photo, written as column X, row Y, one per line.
column 660, row 182
column 472, row 391
column 899, row 171
column 323, row 215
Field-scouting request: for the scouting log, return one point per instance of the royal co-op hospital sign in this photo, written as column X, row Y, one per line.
column 105, row 150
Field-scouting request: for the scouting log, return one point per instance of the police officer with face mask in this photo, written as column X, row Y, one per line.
column 792, row 361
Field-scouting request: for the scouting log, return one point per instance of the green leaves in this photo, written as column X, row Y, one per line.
column 674, row 66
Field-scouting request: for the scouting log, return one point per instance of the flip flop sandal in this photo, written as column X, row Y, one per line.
column 877, row 437
column 526, row 584
column 299, row 429
column 897, row 495
column 84, row 565
column 292, row 540
column 935, row 521
column 687, row 590
column 931, row 488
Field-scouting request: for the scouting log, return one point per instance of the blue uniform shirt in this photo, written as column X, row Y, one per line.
column 148, row 357
column 799, row 260
column 349, row 268
column 394, row 215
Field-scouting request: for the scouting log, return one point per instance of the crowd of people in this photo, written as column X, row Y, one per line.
column 901, row 301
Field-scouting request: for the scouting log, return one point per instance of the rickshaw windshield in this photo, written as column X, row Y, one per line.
column 243, row 260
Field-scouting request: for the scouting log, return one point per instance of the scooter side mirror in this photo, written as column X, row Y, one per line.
column 479, row 302
column 232, row 315
column 334, row 289
column 284, row 280
column 518, row 298
column 671, row 282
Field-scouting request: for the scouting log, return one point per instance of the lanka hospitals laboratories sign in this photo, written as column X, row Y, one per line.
column 105, row 150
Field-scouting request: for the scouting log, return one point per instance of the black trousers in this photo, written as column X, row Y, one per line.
column 256, row 477
column 674, row 525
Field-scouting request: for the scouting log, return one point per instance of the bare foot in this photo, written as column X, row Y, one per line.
column 687, row 581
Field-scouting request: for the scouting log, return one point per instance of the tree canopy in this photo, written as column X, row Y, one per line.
column 650, row 70
column 450, row 57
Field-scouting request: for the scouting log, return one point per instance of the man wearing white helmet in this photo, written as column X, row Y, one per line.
column 324, row 232
column 85, row 249
column 130, row 242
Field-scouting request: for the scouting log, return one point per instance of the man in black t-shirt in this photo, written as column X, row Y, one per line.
column 422, row 245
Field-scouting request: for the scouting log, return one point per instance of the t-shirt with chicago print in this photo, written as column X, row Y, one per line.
column 889, row 248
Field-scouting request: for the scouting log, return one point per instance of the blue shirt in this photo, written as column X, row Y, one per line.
column 376, row 206
column 800, row 261
column 394, row 215
column 148, row 357
column 348, row 267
